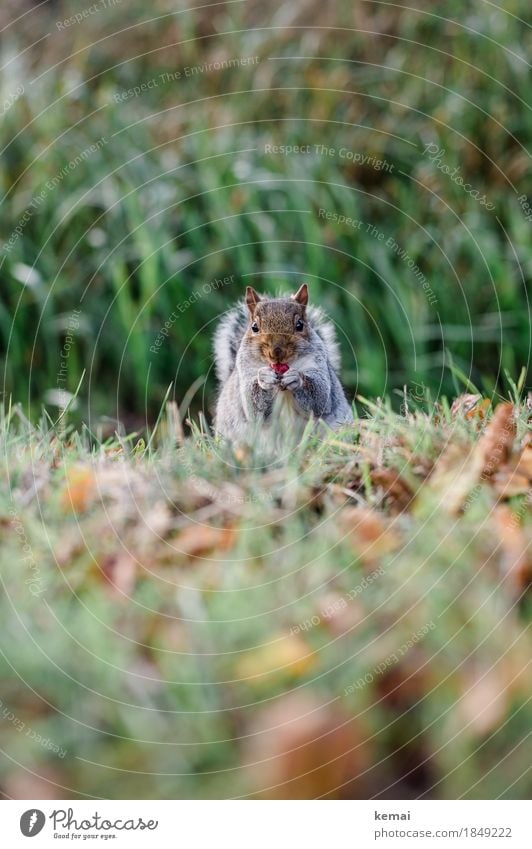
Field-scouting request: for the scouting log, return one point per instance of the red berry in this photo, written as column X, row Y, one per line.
column 280, row 368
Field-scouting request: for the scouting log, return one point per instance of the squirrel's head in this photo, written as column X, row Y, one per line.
column 277, row 326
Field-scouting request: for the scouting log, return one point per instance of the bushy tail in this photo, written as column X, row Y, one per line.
column 325, row 330
column 227, row 340
column 233, row 326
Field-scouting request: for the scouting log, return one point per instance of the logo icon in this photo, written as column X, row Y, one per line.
column 32, row 822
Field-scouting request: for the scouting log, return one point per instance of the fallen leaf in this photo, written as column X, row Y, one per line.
column 170, row 635
column 453, row 477
column 201, row 540
column 484, row 703
column 41, row 783
column 516, row 549
column 524, row 464
column 471, row 406
column 461, row 466
column 299, row 748
column 120, row 571
column 287, row 655
column 495, row 444
column 508, row 483
column 368, row 532
column 395, row 488
column 339, row 614
column 404, row 684
column 79, row 490
column 158, row 519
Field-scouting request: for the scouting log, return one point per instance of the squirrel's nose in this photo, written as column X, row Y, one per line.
column 277, row 352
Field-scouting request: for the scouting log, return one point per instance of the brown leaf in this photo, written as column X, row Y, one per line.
column 484, row 703
column 524, row 465
column 79, row 490
column 471, row 406
column 495, row 444
column 508, row 483
column 516, row 550
column 286, row 655
column 41, row 783
column 201, row 540
column 454, row 476
column 403, row 684
column 340, row 615
column 368, row 532
column 171, row 635
column 301, row 749
column 461, row 467
column 120, row 571
column 395, row 489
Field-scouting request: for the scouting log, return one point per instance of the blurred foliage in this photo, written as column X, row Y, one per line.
column 181, row 190
column 168, row 605
column 182, row 621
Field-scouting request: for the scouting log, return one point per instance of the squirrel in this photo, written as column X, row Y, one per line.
column 275, row 353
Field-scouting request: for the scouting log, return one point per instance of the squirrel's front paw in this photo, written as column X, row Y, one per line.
column 267, row 378
column 291, row 380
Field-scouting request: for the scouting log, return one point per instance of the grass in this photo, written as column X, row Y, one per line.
column 182, row 620
column 181, row 190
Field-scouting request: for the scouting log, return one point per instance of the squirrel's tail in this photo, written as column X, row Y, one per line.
column 227, row 340
column 327, row 333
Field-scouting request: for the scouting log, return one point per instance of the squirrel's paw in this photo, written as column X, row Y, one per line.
column 291, row 380
column 267, row 378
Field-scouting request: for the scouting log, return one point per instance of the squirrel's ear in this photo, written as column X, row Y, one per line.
column 301, row 296
column 252, row 299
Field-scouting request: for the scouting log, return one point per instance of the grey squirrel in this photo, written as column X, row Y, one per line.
column 275, row 355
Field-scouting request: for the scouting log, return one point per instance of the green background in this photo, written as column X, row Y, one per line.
column 181, row 190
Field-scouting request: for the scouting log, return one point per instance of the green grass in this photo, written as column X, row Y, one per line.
column 172, row 597
column 181, row 191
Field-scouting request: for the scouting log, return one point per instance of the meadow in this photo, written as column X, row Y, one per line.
column 180, row 620
column 146, row 160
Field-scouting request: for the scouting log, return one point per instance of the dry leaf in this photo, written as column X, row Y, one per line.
column 516, row 550
column 41, row 783
column 368, row 532
column 69, row 546
column 301, row 749
column 507, row 483
column 120, row 571
column 158, row 519
column 484, row 704
column 403, row 684
column 79, row 490
column 395, row 489
column 454, row 476
column 461, row 467
column 524, row 464
column 339, row 614
column 286, row 655
column 202, row 540
column 171, row 635
column 471, row 406
column 495, row 444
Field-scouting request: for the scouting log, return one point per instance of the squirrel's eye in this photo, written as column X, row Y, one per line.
column 255, row 327
column 299, row 324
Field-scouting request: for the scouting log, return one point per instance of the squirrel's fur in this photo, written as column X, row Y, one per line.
column 274, row 355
